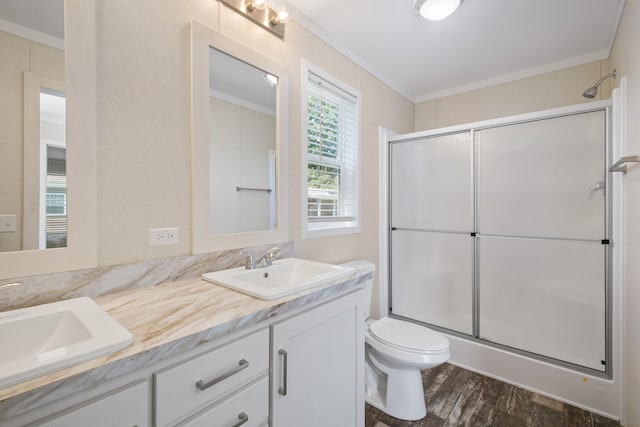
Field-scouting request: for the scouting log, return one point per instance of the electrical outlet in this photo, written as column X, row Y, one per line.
column 163, row 236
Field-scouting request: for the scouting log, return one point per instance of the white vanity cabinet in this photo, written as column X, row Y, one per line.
column 318, row 366
column 127, row 407
column 218, row 383
column 301, row 368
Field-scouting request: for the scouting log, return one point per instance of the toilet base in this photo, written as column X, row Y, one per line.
column 396, row 392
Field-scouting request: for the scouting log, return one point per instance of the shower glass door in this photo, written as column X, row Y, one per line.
column 541, row 227
column 431, row 219
column 500, row 233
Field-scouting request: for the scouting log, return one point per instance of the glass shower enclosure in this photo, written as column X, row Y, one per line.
column 500, row 234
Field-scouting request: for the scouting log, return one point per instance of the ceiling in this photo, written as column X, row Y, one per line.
column 235, row 81
column 484, row 42
column 45, row 16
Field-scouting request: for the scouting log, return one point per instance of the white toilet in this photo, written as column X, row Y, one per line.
column 395, row 353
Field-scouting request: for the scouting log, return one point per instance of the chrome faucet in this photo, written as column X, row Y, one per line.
column 265, row 261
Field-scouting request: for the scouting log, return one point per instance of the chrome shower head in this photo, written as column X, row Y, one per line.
column 593, row 90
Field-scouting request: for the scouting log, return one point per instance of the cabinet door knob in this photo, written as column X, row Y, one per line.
column 283, row 389
column 243, row 419
column 242, row 364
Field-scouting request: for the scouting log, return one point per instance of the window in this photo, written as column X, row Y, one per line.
column 56, row 204
column 332, row 150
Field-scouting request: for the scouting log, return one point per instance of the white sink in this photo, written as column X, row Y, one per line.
column 41, row 339
column 284, row 277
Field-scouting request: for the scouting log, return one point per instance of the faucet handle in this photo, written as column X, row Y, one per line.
column 272, row 252
column 250, row 264
column 271, row 255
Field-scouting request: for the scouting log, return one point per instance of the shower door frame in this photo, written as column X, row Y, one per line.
column 606, row 107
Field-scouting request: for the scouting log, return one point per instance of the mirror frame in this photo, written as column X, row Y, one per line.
column 80, row 93
column 203, row 241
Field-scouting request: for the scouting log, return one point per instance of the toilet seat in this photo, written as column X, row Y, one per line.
column 408, row 336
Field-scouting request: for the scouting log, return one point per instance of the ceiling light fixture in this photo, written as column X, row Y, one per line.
column 435, row 10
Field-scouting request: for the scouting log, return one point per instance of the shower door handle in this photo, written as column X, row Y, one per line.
column 599, row 186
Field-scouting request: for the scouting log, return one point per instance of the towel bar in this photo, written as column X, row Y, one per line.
column 268, row 190
column 620, row 166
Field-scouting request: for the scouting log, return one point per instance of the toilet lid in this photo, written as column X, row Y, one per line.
column 408, row 335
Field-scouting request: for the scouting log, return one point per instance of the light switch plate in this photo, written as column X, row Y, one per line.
column 7, row 223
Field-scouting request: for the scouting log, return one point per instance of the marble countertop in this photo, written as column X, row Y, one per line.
column 165, row 320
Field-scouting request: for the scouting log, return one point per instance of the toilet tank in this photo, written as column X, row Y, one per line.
column 362, row 268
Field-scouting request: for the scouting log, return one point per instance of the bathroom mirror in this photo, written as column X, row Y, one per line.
column 33, row 153
column 239, row 107
column 242, row 146
column 47, row 158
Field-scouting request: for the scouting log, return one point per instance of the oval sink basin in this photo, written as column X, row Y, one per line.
column 44, row 338
column 284, row 277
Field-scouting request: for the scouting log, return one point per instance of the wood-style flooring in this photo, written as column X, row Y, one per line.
column 458, row 397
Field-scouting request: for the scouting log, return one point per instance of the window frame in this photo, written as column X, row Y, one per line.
column 331, row 226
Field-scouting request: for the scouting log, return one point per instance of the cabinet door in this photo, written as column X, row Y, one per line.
column 127, row 408
column 318, row 366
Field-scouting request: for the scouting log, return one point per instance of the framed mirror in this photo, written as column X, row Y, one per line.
column 240, row 118
column 48, row 166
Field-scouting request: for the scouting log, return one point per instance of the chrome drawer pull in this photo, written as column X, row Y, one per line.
column 243, row 419
column 283, row 390
column 242, row 364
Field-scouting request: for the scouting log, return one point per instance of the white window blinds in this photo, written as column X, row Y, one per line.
column 332, row 155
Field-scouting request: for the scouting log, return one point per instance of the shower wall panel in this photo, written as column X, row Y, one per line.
column 544, row 296
column 432, row 186
column 543, row 178
column 432, row 277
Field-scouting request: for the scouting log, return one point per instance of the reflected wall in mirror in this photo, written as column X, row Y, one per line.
column 242, row 146
column 239, row 138
column 33, row 125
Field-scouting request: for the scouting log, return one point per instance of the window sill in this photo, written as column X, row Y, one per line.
column 323, row 229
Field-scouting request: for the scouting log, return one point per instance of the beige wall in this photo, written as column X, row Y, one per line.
column 143, row 125
column 626, row 59
column 541, row 92
column 18, row 55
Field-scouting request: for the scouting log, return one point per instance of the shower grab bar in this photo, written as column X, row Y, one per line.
column 268, row 190
column 620, row 166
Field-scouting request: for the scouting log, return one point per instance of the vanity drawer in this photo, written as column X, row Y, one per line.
column 127, row 407
column 248, row 408
column 202, row 380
